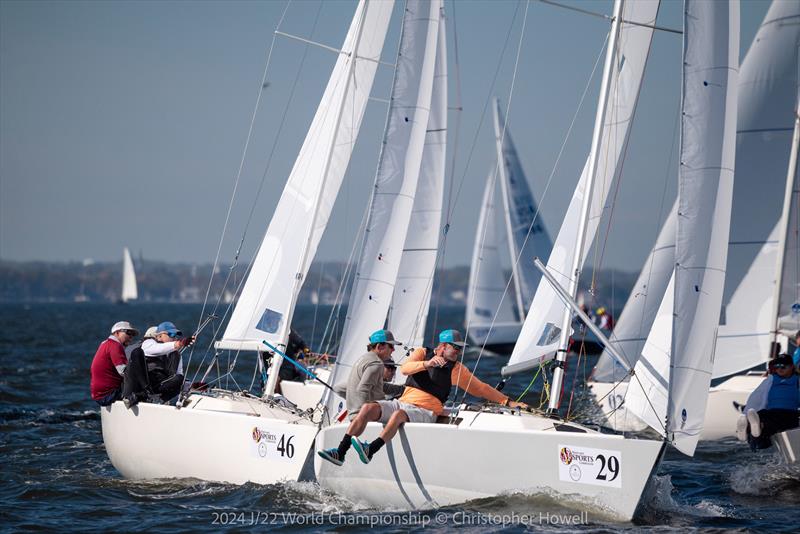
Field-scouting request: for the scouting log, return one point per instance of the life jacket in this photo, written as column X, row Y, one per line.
column 437, row 380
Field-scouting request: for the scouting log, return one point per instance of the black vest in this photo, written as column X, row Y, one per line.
column 436, row 380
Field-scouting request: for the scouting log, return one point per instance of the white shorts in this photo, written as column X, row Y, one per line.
column 415, row 413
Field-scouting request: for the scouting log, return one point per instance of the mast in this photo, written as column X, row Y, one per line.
column 785, row 217
column 561, row 355
column 501, row 169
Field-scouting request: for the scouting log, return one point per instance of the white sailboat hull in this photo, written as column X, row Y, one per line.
column 222, row 439
column 307, row 394
column 486, row 454
column 721, row 410
column 788, row 443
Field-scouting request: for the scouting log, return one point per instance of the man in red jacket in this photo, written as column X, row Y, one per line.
column 108, row 365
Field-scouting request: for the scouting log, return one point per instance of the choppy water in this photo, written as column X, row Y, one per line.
column 56, row 474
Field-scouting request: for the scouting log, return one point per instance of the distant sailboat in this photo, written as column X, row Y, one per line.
column 494, row 318
column 129, row 288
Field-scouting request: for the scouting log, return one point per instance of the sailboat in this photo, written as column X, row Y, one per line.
column 757, row 245
column 236, row 437
column 493, row 319
column 129, row 288
column 506, row 451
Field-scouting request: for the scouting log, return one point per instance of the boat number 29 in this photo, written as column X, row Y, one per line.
column 609, row 467
column 285, row 446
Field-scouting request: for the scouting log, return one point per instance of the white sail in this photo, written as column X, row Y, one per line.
column 486, row 305
column 743, row 337
column 643, row 303
column 767, row 91
column 395, row 181
column 541, row 330
column 788, row 308
column 129, row 288
column 266, row 305
column 527, row 239
column 412, row 292
column 675, row 368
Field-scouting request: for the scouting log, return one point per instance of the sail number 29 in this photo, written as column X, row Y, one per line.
column 608, row 467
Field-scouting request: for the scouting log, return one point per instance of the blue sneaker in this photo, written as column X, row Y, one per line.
column 362, row 448
column 332, row 455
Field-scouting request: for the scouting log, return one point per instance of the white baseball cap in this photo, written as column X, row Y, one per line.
column 123, row 325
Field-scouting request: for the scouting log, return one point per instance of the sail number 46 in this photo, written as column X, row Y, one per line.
column 285, row 446
column 608, row 467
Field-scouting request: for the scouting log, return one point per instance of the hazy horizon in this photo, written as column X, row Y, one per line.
column 123, row 123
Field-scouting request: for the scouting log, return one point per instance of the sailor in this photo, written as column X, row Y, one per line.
column 136, row 385
column 296, row 349
column 163, row 357
column 431, row 375
column 364, row 386
column 772, row 407
column 390, row 389
column 108, row 365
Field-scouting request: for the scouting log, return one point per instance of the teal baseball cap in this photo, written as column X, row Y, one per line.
column 383, row 336
column 453, row 337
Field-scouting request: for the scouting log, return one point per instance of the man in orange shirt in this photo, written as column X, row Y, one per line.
column 431, row 375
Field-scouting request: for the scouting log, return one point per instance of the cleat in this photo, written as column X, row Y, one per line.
column 332, row 455
column 362, row 448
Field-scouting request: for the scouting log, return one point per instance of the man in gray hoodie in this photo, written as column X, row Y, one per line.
column 365, row 383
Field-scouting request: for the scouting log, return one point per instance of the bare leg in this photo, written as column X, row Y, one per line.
column 395, row 421
column 369, row 412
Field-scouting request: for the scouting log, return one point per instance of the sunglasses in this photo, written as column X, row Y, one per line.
column 456, row 347
column 780, row 366
column 131, row 333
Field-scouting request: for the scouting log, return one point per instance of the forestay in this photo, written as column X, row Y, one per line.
column 540, row 332
column 267, row 301
column 395, row 181
column 675, row 368
column 412, row 292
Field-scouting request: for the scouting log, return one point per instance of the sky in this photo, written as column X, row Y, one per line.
column 124, row 123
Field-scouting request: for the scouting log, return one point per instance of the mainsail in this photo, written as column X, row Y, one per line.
column 395, row 181
column 767, row 96
column 267, row 301
column 129, row 289
column 412, row 290
column 766, row 78
column 541, row 331
column 672, row 377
